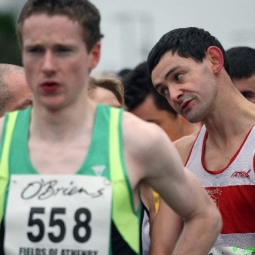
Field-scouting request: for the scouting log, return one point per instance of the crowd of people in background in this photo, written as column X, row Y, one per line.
column 154, row 159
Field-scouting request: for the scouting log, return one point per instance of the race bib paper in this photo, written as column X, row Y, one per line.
column 58, row 215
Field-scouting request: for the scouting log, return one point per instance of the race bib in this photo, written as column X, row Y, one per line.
column 58, row 215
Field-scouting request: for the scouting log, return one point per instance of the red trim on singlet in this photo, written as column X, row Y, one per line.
column 254, row 163
column 231, row 160
column 192, row 147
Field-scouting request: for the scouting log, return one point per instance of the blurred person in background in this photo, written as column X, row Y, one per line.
column 14, row 92
column 107, row 91
column 242, row 70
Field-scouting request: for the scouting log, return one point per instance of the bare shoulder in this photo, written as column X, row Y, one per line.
column 147, row 147
column 140, row 134
column 184, row 145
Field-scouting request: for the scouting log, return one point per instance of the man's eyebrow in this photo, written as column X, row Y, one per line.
column 167, row 74
column 171, row 71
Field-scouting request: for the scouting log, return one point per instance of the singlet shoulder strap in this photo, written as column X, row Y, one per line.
column 4, row 163
column 123, row 214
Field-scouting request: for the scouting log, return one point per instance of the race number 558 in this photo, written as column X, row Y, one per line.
column 81, row 229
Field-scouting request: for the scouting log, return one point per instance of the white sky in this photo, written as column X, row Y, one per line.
column 132, row 27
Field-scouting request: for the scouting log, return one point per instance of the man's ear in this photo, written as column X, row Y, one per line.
column 95, row 55
column 215, row 56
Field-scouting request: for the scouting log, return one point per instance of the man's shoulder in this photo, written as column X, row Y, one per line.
column 137, row 125
column 141, row 134
column 184, row 145
column 147, row 147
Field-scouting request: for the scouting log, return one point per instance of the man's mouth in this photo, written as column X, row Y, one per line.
column 186, row 105
column 50, row 87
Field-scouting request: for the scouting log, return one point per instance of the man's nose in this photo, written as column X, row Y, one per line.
column 49, row 62
column 175, row 94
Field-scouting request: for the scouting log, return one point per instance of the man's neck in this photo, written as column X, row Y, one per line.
column 66, row 123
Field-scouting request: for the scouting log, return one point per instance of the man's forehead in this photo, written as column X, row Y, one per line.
column 166, row 62
column 41, row 28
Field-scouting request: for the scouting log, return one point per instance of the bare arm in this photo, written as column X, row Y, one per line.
column 156, row 161
column 201, row 220
column 166, row 230
column 168, row 225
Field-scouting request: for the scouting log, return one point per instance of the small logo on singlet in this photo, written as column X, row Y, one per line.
column 215, row 194
column 241, row 174
column 98, row 170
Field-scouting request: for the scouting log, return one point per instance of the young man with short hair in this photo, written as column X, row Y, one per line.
column 71, row 169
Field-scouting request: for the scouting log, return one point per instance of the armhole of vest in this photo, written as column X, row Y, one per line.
column 4, row 164
column 192, row 147
column 127, row 226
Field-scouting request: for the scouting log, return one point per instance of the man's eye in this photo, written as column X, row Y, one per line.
column 63, row 50
column 164, row 91
column 178, row 76
column 247, row 95
column 35, row 50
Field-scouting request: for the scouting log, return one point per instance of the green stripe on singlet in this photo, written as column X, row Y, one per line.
column 123, row 214
column 4, row 164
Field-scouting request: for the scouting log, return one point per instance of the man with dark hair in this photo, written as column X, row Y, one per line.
column 70, row 168
column 190, row 68
column 242, row 70
column 142, row 100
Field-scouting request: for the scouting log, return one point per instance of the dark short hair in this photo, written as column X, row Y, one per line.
column 82, row 11
column 241, row 62
column 138, row 86
column 190, row 42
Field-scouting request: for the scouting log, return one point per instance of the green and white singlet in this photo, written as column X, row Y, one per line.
column 88, row 213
